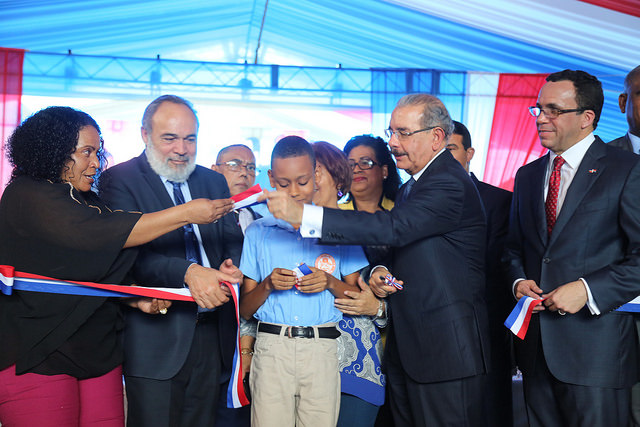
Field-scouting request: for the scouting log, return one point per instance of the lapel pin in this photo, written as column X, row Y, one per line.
column 593, row 170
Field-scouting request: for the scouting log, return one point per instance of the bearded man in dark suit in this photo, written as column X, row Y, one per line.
column 172, row 362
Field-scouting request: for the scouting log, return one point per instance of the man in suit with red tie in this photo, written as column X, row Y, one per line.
column 574, row 239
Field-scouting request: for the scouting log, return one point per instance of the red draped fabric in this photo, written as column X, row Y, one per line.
column 630, row 7
column 11, row 92
column 514, row 139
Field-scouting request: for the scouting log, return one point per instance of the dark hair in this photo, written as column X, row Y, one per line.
column 335, row 162
column 633, row 74
column 155, row 104
column 383, row 157
column 293, row 146
column 588, row 89
column 229, row 147
column 42, row 145
column 460, row 129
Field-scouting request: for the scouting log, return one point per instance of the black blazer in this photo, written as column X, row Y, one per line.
column 496, row 202
column 157, row 346
column 623, row 142
column 596, row 237
column 437, row 235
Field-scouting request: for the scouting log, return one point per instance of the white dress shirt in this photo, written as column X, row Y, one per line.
column 635, row 142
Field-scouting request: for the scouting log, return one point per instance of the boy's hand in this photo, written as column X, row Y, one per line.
column 281, row 279
column 317, row 281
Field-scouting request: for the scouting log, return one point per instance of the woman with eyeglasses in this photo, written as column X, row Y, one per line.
column 359, row 344
column 375, row 175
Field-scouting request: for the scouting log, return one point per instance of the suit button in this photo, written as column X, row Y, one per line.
column 546, row 260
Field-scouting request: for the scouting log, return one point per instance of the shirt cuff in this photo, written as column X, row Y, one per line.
column 513, row 287
column 591, row 303
column 374, row 269
column 311, row 221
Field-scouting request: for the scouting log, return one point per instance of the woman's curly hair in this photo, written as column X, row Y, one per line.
column 42, row 145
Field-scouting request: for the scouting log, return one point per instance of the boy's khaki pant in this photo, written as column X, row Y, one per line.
column 294, row 381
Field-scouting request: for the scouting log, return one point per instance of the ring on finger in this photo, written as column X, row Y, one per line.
column 163, row 311
column 561, row 312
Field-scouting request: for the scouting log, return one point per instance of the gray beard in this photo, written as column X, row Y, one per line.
column 161, row 166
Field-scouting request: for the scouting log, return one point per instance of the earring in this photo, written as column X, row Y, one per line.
column 340, row 194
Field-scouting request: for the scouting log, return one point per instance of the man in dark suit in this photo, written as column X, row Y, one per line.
column 574, row 239
column 437, row 349
column 499, row 299
column 172, row 362
column 629, row 102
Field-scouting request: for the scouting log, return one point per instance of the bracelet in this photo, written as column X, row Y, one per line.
column 246, row 351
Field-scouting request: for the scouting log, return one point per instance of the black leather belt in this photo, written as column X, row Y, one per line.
column 207, row 316
column 300, row 331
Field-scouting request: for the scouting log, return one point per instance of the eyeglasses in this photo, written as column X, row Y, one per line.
column 364, row 164
column 237, row 165
column 402, row 134
column 552, row 113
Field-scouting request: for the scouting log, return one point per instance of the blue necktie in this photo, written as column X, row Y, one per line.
column 192, row 249
column 404, row 195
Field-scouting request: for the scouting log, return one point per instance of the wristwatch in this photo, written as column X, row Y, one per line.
column 380, row 313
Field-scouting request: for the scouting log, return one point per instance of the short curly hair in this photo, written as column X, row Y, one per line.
column 42, row 145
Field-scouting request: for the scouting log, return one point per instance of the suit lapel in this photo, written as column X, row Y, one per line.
column 591, row 168
column 536, row 189
column 154, row 182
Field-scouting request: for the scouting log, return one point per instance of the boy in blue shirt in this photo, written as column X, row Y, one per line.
column 294, row 373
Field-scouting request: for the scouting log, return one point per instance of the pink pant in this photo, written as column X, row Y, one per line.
column 61, row 400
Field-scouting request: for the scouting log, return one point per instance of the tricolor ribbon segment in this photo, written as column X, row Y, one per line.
column 236, row 397
column 519, row 319
column 11, row 280
column 301, row 270
column 247, row 198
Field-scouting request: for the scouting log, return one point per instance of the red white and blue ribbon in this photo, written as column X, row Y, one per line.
column 11, row 280
column 518, row 320
column 247, row 198
column 301, row 270
column 389, row 280
column 236, row 397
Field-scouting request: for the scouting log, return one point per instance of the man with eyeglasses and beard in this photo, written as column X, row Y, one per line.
column 436, row 354
column 172, row 362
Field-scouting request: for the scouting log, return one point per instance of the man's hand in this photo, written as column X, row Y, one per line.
column 377, row 283
column 529, row 288
column 227, row 267
column 205, row 211
column 281, row 279
column 568, row 298
column 149, row 305
column 315, row 282
column 358, row 303
column 282, row 206
column 204, row 284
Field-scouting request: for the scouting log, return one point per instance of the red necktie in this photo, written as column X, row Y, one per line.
column 551, row 204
